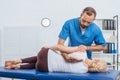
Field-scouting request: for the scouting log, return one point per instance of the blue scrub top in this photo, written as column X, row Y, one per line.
column 71, row 29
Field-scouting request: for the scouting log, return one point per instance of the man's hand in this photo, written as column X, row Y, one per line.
column 69, row 58
column 82, row 48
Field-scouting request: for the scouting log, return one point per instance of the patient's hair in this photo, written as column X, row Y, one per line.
column 98, row 66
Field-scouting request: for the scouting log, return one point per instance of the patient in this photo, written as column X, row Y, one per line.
column 49, row 59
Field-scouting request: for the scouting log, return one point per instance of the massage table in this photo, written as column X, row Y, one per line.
column 32, row 74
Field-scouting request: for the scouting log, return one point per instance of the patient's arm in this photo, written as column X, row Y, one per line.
column 65, row 48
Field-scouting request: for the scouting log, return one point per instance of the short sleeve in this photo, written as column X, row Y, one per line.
column 65, row 31
column 99, row 39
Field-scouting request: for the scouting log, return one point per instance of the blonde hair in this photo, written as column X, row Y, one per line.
column 98, row 66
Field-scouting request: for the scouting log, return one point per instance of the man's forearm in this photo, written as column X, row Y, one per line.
column 65, row 49
column 96, row 48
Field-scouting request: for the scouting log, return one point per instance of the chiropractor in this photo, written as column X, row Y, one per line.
column 82, row 32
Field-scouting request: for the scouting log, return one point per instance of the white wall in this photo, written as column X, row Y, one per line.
column 21, row 33
column 30, row 12
column 21, row 21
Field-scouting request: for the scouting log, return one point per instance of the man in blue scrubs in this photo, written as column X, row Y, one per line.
column 82, row 32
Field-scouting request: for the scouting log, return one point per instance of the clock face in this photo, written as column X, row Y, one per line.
column 45, row 22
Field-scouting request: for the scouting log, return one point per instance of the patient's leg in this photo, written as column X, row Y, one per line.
column 29, row 62
column 24, row 60
column 32, row 59
column 17, row 63
column 21, row 66
column 8, row 63
column 27, row 66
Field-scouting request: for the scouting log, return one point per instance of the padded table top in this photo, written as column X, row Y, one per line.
column 109, row 75
column 18, row 73
column 36, row 75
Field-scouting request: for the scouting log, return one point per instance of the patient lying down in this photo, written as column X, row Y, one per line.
column 50, row 60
